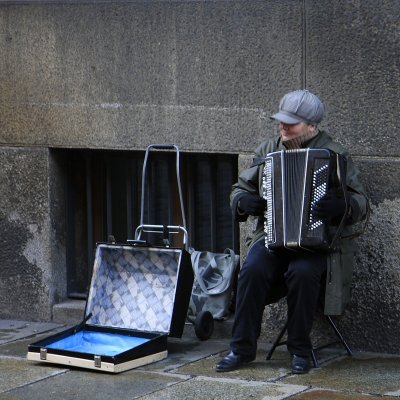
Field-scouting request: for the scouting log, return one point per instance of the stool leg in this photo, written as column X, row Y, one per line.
column 277, row 341
column 339, row 335
column 314, row 359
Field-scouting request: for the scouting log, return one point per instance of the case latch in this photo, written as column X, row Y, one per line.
column 43, row 354
column 97, row 361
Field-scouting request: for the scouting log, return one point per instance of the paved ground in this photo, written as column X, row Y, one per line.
column 188, row 373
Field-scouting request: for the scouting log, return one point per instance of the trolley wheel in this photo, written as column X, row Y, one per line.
column 204, row 325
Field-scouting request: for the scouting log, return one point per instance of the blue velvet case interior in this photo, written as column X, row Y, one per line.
column 101, row 343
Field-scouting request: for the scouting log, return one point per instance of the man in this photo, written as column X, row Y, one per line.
column 267, row 275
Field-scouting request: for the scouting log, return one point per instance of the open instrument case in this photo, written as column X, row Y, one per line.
column 139, row 295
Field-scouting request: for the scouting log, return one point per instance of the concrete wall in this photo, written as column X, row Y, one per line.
column 125, row 74
column 32, row 264
column 205, row 75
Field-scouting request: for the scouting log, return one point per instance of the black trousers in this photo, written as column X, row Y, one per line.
column 261, row 273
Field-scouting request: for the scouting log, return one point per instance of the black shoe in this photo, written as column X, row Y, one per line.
column 300, row 365
column 232, row 361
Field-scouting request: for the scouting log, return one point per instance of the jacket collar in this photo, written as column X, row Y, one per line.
column 317, row 141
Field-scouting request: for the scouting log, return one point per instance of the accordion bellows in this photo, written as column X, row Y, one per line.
column 293, row 181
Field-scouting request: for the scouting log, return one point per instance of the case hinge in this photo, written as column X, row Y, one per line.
column 43, row 354
column 97, row 361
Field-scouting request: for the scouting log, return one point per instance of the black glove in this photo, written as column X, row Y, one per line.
column 252, row 204
column 331, row 206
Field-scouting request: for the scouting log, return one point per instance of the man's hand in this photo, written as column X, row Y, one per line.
column 252, row 204
column 331, row 206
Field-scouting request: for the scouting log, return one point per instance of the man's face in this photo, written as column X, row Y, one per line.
column 288, row 131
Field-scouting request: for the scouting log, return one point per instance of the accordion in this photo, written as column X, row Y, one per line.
column 293, row 181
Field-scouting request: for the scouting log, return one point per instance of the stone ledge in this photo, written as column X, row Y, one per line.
column 70, row 312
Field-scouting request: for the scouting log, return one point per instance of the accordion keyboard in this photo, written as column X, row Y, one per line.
column 268, row 196
column 319, row 188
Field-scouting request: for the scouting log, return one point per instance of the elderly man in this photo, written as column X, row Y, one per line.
column 268, row 275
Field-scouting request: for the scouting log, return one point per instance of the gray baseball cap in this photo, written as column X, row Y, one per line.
column 300, row 106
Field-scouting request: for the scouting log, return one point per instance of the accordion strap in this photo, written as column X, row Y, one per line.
column 341, row 173
column 257, row 161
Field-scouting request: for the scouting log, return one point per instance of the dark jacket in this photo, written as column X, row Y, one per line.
column 340, row 262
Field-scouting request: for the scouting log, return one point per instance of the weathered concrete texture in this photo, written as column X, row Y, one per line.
column 125, row 126
column 25, row 285
column 227, row 390
column 206, row 75
column 17, row 372
column 11, row 330
column 361, row 373
column 57, row 221
column 123, row 75
column 334, row 395
column 380, row 177
column 70, row 312
column 133, row 384
column 318, row 394
column 347, row 376
column 372, row 321
column 353, row 62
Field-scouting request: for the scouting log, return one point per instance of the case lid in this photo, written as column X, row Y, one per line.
column 133, row 288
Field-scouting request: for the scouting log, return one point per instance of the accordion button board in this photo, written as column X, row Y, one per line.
column 293, row 181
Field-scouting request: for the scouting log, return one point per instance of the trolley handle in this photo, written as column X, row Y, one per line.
column 164, row 230
column 175, row 148
column 163, row 147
